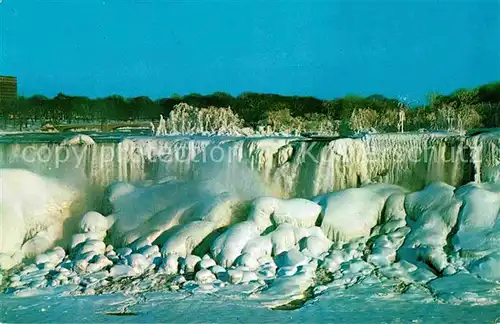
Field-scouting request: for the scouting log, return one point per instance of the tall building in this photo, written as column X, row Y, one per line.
column 8, row 88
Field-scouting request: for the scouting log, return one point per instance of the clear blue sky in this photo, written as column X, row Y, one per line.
column 319, row 48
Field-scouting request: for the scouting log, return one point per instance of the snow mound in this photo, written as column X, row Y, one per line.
column 299, row 212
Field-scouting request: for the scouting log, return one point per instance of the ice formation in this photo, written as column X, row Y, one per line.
column 185, row 119
column 432, row 214
column 33, row 213
column 352, row 213
column 161, row 130
column 152, row 128
column 325, row 222
column 148, row 212
column 485, row 156
column 289, row 166
column 478, row 219
column 274, row 244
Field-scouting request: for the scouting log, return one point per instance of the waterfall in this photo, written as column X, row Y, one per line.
column 89, row 168
column 287, row 166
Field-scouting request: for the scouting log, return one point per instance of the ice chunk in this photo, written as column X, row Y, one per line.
column 119, row 271
column 94, row 222
column 285, row 289
column 433, row 213
column 488, row 267
column 479, row 219
column 187, row 238
column 228, row 246
column 352, row 213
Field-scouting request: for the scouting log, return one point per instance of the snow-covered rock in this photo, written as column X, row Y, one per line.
column 432, row 214
column 170, row 265
column 119, row 271
column 94, row 222
column 204, row 276
column 229, row 245
column 190, row 262
column 138, row 262
column 352, row 213
column 206, row 262
column 291, row 258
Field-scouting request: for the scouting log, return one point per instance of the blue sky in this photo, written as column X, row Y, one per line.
column 325, row 49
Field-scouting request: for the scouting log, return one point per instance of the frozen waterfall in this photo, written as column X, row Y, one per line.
column 288, row 166
column 284, row 217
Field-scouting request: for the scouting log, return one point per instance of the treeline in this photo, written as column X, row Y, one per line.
column 462, row 109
